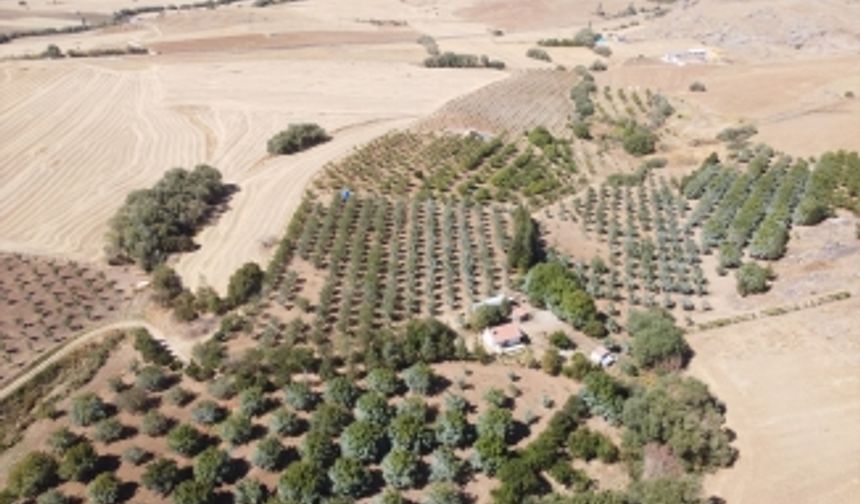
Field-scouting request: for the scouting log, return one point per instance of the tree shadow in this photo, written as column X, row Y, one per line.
column 519, row 432
column 127, row 490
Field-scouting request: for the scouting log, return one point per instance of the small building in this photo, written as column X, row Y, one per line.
column 493, row 301
column 694, row 55
column 602, row 357
column 503, row 339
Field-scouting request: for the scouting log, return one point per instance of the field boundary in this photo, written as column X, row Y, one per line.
column 773, row 312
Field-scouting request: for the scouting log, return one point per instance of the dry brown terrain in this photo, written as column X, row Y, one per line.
column 792, row 391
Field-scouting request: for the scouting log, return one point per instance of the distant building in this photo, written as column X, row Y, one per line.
column 695, row 55
column 602, row 357
column 504, row 338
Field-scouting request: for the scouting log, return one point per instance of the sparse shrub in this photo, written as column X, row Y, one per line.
column 212, row 466
column 753, row 279
column 32, row 475
column 87, row 409
column 178, row 396
column 62, row 439
column 223, row 387
column 603, row 50
column 208, row 412
column 349, row 477
column 698, row 87
column 135, row 455
column 185, row 440
column 161, row 476
column 730, row 255
column 52, row 497
column 52, row 52
column 78, row 462
column 285, row 423
column 581, row 130
column 400, row 468
column 253, row 402
column 538, row 54
column 185, row 306
column 302, row 482
column 108, row 430
column 342, row 391
column 152, row 378
column 250, row 491
column 598, row 66
column 155, row 424
column 561, row 341
column 638, row 140
column 192, row 492
column 269, row 454
column 104, row 489
column 236, row 430
column 296, row 138
column 300, row 396
column 245, row 283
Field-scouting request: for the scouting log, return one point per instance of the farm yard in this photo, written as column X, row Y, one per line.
column 434, row 252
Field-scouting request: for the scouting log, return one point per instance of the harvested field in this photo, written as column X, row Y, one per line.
column 790, row 385
column 519, row 103
column 290, row 40
column 224, row 120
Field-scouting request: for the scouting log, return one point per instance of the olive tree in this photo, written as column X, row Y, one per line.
column 400, row 468
column 104, row 489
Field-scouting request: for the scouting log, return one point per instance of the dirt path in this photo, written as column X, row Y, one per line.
column 180, row 348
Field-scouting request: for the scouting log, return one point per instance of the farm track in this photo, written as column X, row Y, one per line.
column 180, row 350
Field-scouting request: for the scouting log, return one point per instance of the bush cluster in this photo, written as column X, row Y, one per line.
column 153, row 223
column 538, row 54
column 556, row 287
column 450, row 59
column 296, row 138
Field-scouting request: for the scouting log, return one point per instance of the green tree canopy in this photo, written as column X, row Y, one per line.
column 245, row 283
column 297, row 137
column 657, row 341
column 104, row 489
column 302, row 482
column 32, row 475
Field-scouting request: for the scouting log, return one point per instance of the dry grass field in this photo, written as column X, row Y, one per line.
column 790, row 385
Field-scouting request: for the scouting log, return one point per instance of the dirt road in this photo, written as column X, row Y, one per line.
column 180, row 348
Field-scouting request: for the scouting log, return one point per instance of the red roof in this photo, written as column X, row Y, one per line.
column 507, row 333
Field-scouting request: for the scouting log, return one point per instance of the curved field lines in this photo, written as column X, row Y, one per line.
column 74, row 146
column 269, row 193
